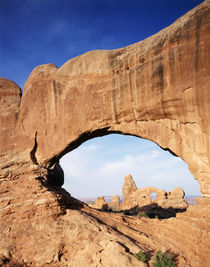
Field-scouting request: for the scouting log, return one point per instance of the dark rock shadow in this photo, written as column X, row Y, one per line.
column 55, row 175
column 153, row 211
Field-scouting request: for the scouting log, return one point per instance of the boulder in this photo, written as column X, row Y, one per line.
column 101, row 204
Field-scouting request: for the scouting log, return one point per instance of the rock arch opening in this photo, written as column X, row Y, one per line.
column 99, row 165
column 153, row 195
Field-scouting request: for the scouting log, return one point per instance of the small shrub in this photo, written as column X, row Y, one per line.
column 142, row 214
column 140, row 256
column 164, row 260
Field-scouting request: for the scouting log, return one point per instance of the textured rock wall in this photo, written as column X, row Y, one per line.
column 157, row 89
column 10, row 96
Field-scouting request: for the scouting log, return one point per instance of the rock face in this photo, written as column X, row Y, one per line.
column 10, row 96
column 115, row 204
column 129, row 187
column 157, row 89
column 101, row 204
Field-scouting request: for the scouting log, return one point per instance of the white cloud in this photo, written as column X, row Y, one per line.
column 91, row 170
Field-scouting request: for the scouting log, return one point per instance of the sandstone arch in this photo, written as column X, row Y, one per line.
column 157, row 89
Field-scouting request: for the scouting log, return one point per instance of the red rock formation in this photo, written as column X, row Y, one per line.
column 101, row 204
column 164, row 204
column 156, row 89
column 129, row 187
column 133, row 196
column 115, row 204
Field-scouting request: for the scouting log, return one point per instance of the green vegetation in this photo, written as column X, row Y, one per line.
column 140, row 256
column 164, row 260
column 142, row 214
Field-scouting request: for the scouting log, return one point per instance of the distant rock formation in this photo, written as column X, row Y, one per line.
column 149, row 199
column 134, row 196
column 152, row 200
column 129, row 187
column 115, row 204
column 101, row 204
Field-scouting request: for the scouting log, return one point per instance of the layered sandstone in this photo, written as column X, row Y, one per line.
column 157, row 89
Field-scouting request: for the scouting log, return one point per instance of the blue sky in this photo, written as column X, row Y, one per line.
column 35, row 32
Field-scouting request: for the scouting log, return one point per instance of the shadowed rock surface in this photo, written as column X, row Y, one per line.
column 55, row 175
column 157, row 89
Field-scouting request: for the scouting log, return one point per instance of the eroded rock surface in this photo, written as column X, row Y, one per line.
column 43, row 225
column 156, row 89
